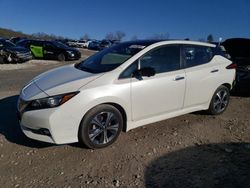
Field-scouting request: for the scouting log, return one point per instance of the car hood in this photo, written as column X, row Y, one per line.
column 18, row 49
column 63, row 80
column 70, row 49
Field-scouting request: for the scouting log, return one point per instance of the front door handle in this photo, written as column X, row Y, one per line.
column 215, row 70
column 177, row 78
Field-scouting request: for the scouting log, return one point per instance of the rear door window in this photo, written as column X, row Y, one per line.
column 195, row 55
column 48, row 46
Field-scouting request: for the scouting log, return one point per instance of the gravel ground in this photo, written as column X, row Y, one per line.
column 194, row 150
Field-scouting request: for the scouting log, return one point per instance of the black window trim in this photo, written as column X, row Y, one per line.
column 181, row 60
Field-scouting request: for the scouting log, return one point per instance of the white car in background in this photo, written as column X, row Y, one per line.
column 86, row 45
column 81, row 43
column 123, row 87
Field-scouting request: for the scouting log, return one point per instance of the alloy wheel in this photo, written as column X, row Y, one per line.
column 103, row 128
column 221, row 101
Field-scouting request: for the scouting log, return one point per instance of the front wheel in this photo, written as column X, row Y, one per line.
column 61, row 57
column 219, row 101
column 100, row 127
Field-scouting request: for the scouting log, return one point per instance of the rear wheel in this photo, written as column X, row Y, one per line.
column 219, row 101
column 100, row 127
column 61, row 57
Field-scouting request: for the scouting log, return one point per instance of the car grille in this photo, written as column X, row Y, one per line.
column 26, row 55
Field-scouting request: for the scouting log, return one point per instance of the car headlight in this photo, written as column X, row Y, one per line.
column 50, row 102
column 71, row 53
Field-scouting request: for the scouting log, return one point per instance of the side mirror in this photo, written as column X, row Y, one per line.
column 146, row 71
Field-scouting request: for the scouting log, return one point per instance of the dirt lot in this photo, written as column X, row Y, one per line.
column 193, row 150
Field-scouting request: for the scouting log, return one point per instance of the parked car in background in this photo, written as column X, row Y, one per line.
column 16, row 39
column 11, row 53
column 94, row 45
column 123, row 87
column 87, row 43
column 81, row 43
column 239, row 50
column 72, row 43
column 50, row 50
column 105, row 44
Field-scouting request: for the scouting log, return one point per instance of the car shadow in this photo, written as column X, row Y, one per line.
column 213, row 165
column 9, row 125
column 244, row 94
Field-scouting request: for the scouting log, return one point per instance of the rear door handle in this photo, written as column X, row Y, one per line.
column 215, row 70
column 177, row 78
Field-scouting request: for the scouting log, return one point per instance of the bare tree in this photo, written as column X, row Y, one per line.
column 45, row 36
column 85, row 37
column 210, row 38
column 110, row 36
column 118, row 35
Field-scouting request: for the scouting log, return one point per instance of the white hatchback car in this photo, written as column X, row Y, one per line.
column 123, row 87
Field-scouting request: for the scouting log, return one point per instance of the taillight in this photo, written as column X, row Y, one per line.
column 232, row 66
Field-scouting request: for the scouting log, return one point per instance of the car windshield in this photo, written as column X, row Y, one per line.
column 59, row 44
column 7, row 44
column 111, row 58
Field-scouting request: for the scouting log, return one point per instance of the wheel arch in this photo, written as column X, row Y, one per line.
column 114, row 104
column 123, row 112
column 229, row 86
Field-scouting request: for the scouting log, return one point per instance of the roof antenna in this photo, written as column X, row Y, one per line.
column 220, row 39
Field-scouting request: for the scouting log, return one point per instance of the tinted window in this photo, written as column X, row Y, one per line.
column 48, row 45
column 23, row 43
column 59, row 44
column 36, row 43
column 7, row 44
column 111, row 58
column 129, row 71
column 197, row 55
column 162, row 59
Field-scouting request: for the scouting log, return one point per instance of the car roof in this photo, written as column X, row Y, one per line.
column 174, row 41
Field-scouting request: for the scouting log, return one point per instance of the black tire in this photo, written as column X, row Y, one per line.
column 95, row 126
column 2, row 61
column 220, row 101
column 61, row 57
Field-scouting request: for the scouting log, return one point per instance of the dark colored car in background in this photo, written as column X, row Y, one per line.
column 11, row 53
column 16, row 39
column 50, row 50
column 239, row 50
column 94, row 45
column 105, row 44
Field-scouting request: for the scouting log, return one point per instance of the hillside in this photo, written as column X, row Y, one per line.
column 8, row 33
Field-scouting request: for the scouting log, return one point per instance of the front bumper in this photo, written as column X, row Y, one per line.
column 22, row 57
column 49, row 125
column 77, row 55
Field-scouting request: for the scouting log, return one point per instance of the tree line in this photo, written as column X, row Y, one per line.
column 117, row 35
